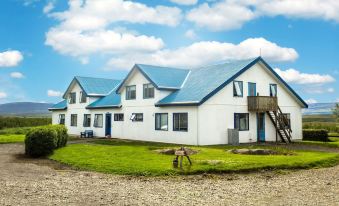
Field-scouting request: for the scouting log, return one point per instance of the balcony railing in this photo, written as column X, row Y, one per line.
column 262, row 103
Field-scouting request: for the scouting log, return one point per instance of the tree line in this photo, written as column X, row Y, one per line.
column 10, row 122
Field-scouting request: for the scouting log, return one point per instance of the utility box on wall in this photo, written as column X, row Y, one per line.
column 233, row 136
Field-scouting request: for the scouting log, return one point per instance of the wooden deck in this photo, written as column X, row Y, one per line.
column 262, row 103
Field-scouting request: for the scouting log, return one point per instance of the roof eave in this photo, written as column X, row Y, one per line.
column 104, row 107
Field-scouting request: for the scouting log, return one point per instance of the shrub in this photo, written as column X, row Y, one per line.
column 41, row 141
column 315, row 135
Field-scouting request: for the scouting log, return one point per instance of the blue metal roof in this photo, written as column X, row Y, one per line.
column 59, row 106
column 110, row 101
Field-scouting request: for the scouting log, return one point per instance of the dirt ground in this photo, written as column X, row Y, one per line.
column 24, row 181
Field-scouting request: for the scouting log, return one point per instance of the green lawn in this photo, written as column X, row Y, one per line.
column 334, row 142
column 139, row 158
column 11, row 138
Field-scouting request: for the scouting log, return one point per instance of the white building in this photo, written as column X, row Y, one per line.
column 185, row 106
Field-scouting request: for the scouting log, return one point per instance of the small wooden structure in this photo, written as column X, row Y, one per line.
column 182, row 152
column 262, row 103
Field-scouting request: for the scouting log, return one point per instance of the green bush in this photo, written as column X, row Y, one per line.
column 315, row 135
column 41, row 141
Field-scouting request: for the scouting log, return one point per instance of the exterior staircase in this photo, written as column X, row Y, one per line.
column 281, row 125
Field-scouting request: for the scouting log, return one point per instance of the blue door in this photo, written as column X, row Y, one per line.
column 261, row 127
column 108, row 124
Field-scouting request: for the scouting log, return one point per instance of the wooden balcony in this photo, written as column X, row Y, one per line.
column 262, row 103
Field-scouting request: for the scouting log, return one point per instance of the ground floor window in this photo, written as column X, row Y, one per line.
column 161, row 121
column 87, row 120
column 137, row 117
column 287, row 120
column 98, row 120
column 61, row 118
column 180, row 122
column 119, row 117
column 241, row 121
column 74, row 120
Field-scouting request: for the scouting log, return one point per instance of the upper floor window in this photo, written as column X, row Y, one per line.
column 98, row 120
column 273, row 90
column 87, row 120
column 148, row 91
column 61, row 118
column 74, row 120
column 237, row 89
column 241, row 121
column 72, row 97
column 137, row 117
column 252, row 90
column 161, row 121
column 118, row 117
column 130, row 92
column 287, row 120
column 180, row 122
column 83, row 97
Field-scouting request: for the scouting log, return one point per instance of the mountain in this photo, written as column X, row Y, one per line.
column 25, row 109
column 319, row 108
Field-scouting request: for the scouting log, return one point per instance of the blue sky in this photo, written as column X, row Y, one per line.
column 43, row 44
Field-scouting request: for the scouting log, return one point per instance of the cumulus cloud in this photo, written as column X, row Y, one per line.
column 17, row 75
column 206, row 52
column 10, row 58
column 232, row 14
column 185, row 2
column 53, row 93
column 190, row 34
column 295, row 76
column 48, row 7
column 311, row 101
column 3, row 95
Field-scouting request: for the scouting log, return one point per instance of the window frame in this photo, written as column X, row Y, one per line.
column 288, row 117
column 248, row 121
column 180, row 113
column 155, row 121
column 276, row 90
column 127, row 97
column 64, row 119
column 146, row 87
column 255, row 89
column 83, row 97
column 90, row 120
column 76, row 120
column 135, row 117
column 241, row 88
column 118, row 115
column 95, row 123
column 70, row 98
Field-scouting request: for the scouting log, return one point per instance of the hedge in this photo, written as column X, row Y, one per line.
column 315, row 135
column 42, row 141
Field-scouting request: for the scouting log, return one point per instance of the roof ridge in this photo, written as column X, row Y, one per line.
column 167, row 67
column 98, row 78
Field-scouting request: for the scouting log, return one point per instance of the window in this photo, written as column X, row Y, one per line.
column 72, row 98
column 161, row 121
column 137, row 117
column 237, row 89
column 148, row 91
column 252, row 89
column 119, row 117
column 61, row 118
column 74, row 120
column 288, row 120
column 130, row 92
column 180, row 122
column 98, row 120
column 241, row 121
column 273, row 90
column 87, row 120
column 82, row 97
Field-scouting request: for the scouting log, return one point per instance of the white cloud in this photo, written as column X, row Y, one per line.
column 206, row 52
column 294, row 76
column 330, row 90
column 17, row 75
column 10, row 58
column 53, row 93
column 3, row 95
column 311, row 101
column 185, row 2
column 318, row 90
column 232, row 14
column 190, row 34
column 48, row 7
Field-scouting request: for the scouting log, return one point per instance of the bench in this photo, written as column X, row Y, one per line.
column 86, row 134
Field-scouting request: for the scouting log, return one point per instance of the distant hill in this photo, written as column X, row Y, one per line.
column 319, row 109
column 25, row 109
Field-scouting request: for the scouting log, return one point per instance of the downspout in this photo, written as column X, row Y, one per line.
column 198, row 125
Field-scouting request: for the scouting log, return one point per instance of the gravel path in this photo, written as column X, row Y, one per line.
column 43, row 182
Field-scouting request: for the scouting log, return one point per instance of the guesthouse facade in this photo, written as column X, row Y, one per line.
column 185, row 106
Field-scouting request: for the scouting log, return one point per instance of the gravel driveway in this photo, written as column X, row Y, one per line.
column 46, row 183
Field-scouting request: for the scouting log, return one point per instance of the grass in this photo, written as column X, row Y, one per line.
column 16, row 130
column 334, row 142
column 11, row 138
column 139, row 158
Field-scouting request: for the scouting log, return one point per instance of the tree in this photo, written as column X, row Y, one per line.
column 336, row 111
